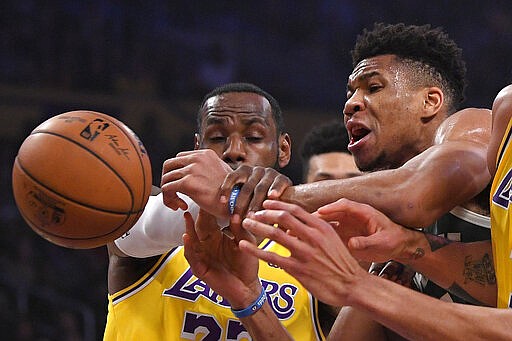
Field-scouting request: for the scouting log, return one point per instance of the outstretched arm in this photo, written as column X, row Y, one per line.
column 465, row 269
column 447, row 174
column 320, row 260
column 442, row 320
column 217, row 260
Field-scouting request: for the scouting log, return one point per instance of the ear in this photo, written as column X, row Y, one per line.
column 433, row 101
column 285, row 150
column 197, row 141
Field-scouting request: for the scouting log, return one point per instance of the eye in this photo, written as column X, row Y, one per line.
column 374, row 88
column 254, row 138
column 216, row 139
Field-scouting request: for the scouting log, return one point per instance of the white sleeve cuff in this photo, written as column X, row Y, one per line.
column 158, row 229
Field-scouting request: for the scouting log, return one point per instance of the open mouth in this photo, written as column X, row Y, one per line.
column 358, row 133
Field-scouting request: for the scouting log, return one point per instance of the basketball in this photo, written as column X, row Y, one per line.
column 81, row 179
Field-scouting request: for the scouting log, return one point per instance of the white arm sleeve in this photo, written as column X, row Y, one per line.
column 158, row 229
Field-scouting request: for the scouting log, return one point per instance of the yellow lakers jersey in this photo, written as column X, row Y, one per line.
column 501, row 219
column 170, row 303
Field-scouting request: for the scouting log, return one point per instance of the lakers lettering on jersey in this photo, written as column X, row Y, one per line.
column 501, row 219
column 170, row 303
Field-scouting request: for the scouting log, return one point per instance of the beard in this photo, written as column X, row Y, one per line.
column 379, row 163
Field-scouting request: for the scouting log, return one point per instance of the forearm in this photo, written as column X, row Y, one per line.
column 264, row 325
column 371, row 188
column 158, row 230
column 420, row 317
column 413, row 195
column 464, row 269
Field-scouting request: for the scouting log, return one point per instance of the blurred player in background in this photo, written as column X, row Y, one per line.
column 325, row 155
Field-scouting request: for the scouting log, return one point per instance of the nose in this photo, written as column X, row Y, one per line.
column 234, row 151
column 354, row 104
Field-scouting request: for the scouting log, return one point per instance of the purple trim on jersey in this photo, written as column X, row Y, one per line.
column 149, row 276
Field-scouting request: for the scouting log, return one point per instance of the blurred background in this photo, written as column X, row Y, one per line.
column 149, row 63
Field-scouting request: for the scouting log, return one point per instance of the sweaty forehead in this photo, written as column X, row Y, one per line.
column 244, row 107
column 237, row 102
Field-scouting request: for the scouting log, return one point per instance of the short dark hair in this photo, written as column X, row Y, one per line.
column 436, row 58
column 324, row 138
column 245, row 87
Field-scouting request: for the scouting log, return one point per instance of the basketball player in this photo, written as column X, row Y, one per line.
column 153, row 294
column 318, row 252
column 400, row 115
column 325, row 155
column 406, row 81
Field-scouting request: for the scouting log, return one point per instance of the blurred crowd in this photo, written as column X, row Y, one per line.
column 177, row 51
column 182, row 48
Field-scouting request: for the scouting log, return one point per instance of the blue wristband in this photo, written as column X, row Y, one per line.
column 253, row 307
column 232, row 198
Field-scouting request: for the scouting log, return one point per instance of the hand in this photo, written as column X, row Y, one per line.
column 258, row 184
column 318, row 259
column 368, row 233
column 217, row 260
column 198, row 174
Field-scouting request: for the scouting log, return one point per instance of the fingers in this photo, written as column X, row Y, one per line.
column 366, row 243
column 266, row 230
column 285, row 263
column 342, row 204
column 298, row 248
column 192, row 246
column 173, row 170
column 171, row 199
column 376, row 248
column 258, row 183
column 237, row 232
column 263, row 185
column 238, row 176
column 251, row 192
column 343, row 208
column 298, row 231
column 170, row 167
column 190, row 230
column 189, row 237
column 254, row 189
column 279, row 185
column 293, row 218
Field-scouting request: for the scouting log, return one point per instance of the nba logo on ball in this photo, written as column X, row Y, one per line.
column 93, row 129
column 81, row 179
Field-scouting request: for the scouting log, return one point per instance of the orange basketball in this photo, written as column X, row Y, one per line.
column 81, row 179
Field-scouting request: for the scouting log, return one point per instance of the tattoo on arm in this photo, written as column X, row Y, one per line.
column 480, row 271
column 436, row 242
column 418, row 253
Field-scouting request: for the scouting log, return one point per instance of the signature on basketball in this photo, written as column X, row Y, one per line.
column 114, row 143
